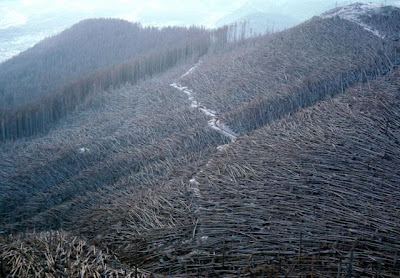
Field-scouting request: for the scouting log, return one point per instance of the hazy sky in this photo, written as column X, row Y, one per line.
column 155, row 12
column 159, row 12
column 23, row 23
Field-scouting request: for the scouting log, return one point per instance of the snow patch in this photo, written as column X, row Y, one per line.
column 222, row 128
column 194, row 182
column 195, row 187
column 83, row 150
column 214, row 122
column 208, row 112
column 354, row 12
column 192, row 69
column 223, row 147
column 196, row 192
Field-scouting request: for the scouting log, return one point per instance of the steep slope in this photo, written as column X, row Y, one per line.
column 119, row 155
column 78, row 51
column 40, row 107
column 308, row 191
column 278, row 74
column 375, row 18
column 134, row 134
column 150, row 172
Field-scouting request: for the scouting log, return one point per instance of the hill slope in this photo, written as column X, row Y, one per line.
column 43, row 95
column 303, row 185
column 319, row 183
column 78, row 51
column 280, row 73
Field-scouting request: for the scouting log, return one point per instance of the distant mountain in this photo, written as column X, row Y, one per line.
column 268, row 15
column 52, row 79
column 15, row 39
column 77, row 52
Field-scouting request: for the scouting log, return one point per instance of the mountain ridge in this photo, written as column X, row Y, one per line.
column 285, row 14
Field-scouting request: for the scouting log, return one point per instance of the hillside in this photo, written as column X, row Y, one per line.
column 278, row 74
column 270, row 157
column 61, row 74
column 318, row 183
column 78, row 51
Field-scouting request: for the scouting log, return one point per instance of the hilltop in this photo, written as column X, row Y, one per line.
column 86, row 47
column 267, row 16
column 59, row 75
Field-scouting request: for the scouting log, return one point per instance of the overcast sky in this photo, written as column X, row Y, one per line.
column 23, row 23
column 159, row 12
column 155, row 12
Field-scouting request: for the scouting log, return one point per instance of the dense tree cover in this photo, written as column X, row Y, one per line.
column 78, row 51
column 50, row 80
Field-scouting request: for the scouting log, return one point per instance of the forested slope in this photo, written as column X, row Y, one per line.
column 88, row 46
column 59, row 74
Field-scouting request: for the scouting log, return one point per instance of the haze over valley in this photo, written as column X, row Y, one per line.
column 25, row 23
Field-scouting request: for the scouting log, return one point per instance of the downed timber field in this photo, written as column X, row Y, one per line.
column 273, row 156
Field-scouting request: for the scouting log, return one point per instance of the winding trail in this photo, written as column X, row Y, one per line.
column 218, row 126
column 214, row 122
